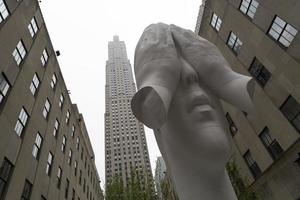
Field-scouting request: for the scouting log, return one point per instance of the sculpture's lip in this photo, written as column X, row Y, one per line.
column 200, row 101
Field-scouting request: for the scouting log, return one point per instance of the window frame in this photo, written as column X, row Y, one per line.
column 44, row 57
column 37, row 146
column 2, row 17
column 34, row 85
column 27, row 189
column 47, row 108
column 283, row 29
column 4, row 88
column 253, row 166
column 248, row 10
column 261, row 74
column 49, row 163
column 236, row 45
column 33, row 27
column 217, row 22
column 56, row 128
column 6, row 171
column 53, row 81
column 19, row 53
column 21, row 122
column 290, row 118
column 272, row 145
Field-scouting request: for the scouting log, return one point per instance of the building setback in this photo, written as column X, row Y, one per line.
column 45, row 151
column 261, row 39
column 125, row 142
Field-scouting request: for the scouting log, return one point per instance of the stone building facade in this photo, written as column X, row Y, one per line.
column 45, row 151
column 260, row 38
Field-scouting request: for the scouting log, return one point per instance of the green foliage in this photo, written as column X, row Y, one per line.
column 168, row 192
column 242, row 191
column 133, row 190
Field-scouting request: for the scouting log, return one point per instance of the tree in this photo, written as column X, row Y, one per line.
column 139, row 187
column 242, row 191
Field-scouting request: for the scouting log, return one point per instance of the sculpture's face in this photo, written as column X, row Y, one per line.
column 196, row 121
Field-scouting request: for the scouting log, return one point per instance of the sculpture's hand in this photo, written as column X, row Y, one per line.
column 213, row 69
column 157, row 70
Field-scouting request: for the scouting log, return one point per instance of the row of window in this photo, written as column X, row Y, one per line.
column 291, row 110
column 279, row 30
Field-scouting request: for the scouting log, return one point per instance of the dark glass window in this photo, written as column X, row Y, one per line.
column 21, row 123
column 44, row 57
column 282, row 32
column 5, row 174
column 32, row 27
column 3, row 11
column 63, row 145
column 46, row 109
column 26, row 191
column 249, row 7
column 49, row 164
column 253, row 166
column 4, row 86
column 234, row 43
column 34, row 84
column 19, row 52
column 271, row 144
column 259, row 72
column 67, row 188
column 291, row 110
column 37, row 145
column 59, row 174
column 231, row 124
column 216, row 22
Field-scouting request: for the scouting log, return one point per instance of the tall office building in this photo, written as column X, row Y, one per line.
column 125, row 142
column 45, row 150
column 261, row 39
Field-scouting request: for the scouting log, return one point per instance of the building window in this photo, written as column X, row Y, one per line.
column 234, row 43
column 56, row 127
column 75, row 167
column 271, row 144
column 254, row 168
column 59, row 174
column 80, row 177
column 282, row 31
column 44, row 57
column 215, row 22
column 5, row 174
column 259, row 72
column 49, row 164
column 21, row 123
column 53, row 81
column 291, row 110
column 3, row 11
column 26, row 191
column 61, row 100
column 19, row 52
column 73, row 194
column 37, row 145
column 34, row 84
column 73, row 130
column 77, row 142
column 67, row 188
column 70, row 157
column 46, row 109
column 249, row 7
column 68, row 117
column 231, row 124
column 63, row 145
column 32, row 27
column 4, row 87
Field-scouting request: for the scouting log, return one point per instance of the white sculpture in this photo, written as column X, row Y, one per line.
column 180, row 78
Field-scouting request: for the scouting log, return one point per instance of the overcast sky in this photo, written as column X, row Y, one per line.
column 80, row 30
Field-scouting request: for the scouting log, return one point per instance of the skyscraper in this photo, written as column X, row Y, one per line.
column 125, row 142
column 261, row 39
